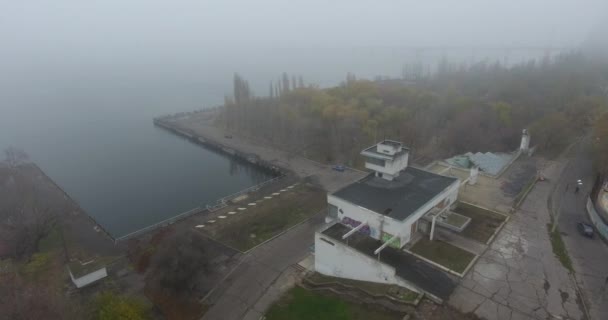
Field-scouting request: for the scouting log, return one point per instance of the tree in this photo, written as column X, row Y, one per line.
column 285, row 79
column 179, row 261
column 552, row 131
column 26, row 300
column 600, row 144
column 109, row 306
column 15, row 157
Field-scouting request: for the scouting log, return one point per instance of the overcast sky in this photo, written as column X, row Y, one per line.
column 148, row 24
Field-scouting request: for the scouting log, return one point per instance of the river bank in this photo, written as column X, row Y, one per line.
column 199, row 127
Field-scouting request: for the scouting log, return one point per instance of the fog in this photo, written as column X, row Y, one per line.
column 48, row 35
column 81, row 81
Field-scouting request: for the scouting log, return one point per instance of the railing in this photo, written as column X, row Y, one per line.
column 163, row 223
column 219, row 204
column 250, row 189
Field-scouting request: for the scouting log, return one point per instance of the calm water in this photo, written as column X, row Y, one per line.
column 87, row 122
column 96, row 139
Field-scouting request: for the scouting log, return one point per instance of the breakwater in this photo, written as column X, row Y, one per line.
column 219, row 147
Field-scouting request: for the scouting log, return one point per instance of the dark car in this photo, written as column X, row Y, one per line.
column 339, row 168
column 585, row 229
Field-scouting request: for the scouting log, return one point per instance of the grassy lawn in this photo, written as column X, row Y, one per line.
column 371, row 287
column 483, row 222
column 52, row 241
column 268, row 218
column 443, row 253
column 559, row 248
column 301, row 304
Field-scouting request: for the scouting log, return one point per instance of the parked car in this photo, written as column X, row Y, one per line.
column 339, row 168
column 585, row 229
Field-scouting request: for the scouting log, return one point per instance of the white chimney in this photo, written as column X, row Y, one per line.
column 473, row 175
column 525, row 141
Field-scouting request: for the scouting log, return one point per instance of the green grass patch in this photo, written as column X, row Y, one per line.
column 268, row 218
column 483, row 222
column 559, row 248
column 52, row 241
column 444, row 254
column 301, row 304
column 370, row 287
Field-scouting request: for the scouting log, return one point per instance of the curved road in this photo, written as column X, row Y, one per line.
column 589, row 256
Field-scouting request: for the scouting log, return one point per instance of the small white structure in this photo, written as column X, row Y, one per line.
column 525, row 141
column 386, row 158
column 385, row 208
column 473, row 175
column 83, row 274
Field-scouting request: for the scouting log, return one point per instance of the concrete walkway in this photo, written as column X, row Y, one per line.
column 262, row 275
column 331, row 180
column 519, row 277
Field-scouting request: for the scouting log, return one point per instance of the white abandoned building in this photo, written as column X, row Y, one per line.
column 372, row 219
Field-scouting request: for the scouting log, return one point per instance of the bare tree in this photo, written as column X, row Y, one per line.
column 30, row 300
column 179, row 262
column 15, row 157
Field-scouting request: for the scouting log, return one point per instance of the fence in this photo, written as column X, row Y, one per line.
column 219, row 204
column 250, row 189
column 163, row 223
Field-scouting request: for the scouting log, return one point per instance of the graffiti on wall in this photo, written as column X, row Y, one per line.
column 387, row 236
column 354, row 223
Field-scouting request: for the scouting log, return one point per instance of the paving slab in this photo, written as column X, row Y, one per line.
column 519, row 276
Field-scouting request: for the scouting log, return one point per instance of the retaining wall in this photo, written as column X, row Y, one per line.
column 597, row 221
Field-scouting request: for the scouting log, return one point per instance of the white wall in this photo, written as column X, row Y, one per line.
column 89, row 278
column 379, row 223
column 391, row 168
column 341, row 261
column 376, row 222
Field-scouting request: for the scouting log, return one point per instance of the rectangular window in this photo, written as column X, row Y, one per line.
column 375, row 161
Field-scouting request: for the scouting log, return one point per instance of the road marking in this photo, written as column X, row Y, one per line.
column 267, row 197
column 211, row 221
column 251, row 204
column 222, row 217
column 200, row 226
column 275, row 194
column 241, row 209
column 231, row 212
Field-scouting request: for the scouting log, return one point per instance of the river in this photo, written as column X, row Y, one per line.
column 88, row 123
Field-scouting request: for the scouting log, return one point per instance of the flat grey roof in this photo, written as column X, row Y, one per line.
column 399, row 198
column 373, row 152
column 407, row 266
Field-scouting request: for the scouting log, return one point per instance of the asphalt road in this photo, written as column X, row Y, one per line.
column 589, row 256
column 238, row 295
